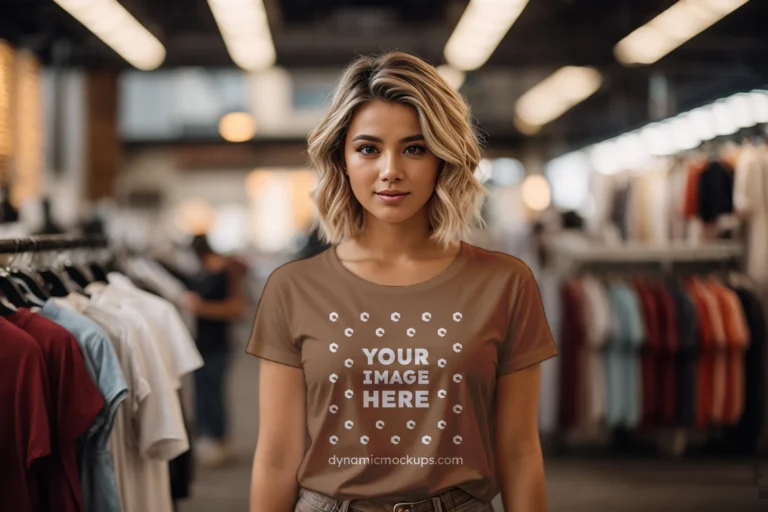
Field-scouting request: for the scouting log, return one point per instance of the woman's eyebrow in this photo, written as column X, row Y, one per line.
column 371, row 138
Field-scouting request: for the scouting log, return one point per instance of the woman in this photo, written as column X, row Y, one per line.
column 217, row 299
column 410, row 357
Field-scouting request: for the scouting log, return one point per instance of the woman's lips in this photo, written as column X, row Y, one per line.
column 391, row 197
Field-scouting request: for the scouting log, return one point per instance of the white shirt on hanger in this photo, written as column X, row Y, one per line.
column 149, row 428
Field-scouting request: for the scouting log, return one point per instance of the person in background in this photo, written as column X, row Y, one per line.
column 314, row 245
column 217, row 299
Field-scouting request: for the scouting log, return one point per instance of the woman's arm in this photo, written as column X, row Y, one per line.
column 518, row 454
column 282, row 438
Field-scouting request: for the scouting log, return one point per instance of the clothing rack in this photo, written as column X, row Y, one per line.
column 574, row 251
column 45, row 243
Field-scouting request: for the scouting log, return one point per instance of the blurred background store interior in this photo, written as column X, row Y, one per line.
column 624, row 140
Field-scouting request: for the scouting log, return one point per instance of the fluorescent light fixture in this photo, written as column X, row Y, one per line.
column 480, row 30
column 670, row 29
column 657, row 138
column 454, row 77
column 245, row 29
column 604, row 157
column 759, row 103
column 683, row 132
column 119, row 30
column 554, row 96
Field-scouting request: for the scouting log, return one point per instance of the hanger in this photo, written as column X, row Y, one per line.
column 28, row 283
column 76, row 275
column 10, row 289
column 53, row 282
column 6, row 308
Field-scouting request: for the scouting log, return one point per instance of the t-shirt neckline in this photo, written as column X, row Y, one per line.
column 449, row 272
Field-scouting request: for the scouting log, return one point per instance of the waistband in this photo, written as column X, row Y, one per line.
column 446, row 501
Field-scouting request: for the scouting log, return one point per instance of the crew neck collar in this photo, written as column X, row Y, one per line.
column 449, row 272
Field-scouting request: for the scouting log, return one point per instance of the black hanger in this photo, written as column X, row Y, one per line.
column 12, row 292
column 76, row 275
column 55, row 285
column 6, row 308
column 29, row 283
column 99, row 274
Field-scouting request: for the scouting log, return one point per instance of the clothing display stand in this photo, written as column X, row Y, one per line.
column 44, row 243
column 573, row 253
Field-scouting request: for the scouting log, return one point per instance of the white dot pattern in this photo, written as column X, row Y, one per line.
column 410, row 332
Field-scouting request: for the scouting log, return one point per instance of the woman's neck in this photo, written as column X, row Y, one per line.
column 389, row 241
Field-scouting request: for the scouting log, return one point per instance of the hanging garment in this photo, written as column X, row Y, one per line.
column 746, row 434
column 715, row 193
column 25, row 435
column 598, row 327
column 149, row 429
column 97, row 471
column 623, row 375
column 75, row 403
column 648, row 353
column 688, row 335
column 706, row 344
column 691, row 202
column 666, row 356
column 720, row 354
column 572, row 343
column 737, row 339
column 676, row 183
column 750, row 198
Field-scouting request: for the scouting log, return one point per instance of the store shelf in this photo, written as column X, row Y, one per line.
column 576, row 247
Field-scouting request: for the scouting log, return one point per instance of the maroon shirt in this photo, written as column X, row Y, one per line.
column 24, row 434
column 74, row 403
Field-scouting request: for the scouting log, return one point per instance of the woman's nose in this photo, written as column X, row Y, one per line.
column 391, row 168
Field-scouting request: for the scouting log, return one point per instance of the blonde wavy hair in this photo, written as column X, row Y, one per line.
column 447, row 128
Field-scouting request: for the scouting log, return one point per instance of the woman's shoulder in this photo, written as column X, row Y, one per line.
column 497, row 262
column 299, row 270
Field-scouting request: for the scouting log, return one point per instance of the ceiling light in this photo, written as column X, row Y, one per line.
column 703, row 123
column 536, row 192
column 670, row 29
column 119, row 30
column 604, row 157
column 657, row 139
column 453, row 76
column 759, row 104
column 480, row 30
column 245, row 29
column 554, row 96
column 237, row 127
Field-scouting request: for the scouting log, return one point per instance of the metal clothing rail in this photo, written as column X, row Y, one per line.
column 44, row 243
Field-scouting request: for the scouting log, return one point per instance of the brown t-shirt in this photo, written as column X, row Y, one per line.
column 401, row 380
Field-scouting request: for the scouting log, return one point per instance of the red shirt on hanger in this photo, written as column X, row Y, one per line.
column 24, row 430
column 74, row 403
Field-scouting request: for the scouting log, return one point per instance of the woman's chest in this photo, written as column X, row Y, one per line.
column 393, row 349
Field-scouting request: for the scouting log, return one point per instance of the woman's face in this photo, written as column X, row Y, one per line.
column 390, row 168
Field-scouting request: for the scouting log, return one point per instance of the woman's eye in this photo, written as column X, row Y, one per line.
column 415, row 150
column 366, row 150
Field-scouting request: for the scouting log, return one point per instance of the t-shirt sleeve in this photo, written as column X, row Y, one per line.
column 529, row 338
column 271, row 335
column 32, row 406
column 79, row 398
